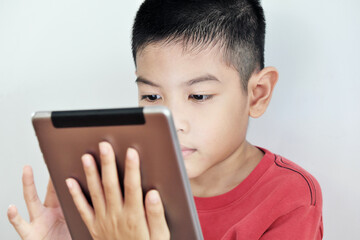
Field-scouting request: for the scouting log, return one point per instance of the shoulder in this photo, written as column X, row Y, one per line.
column 284, row 203
column 292, row 183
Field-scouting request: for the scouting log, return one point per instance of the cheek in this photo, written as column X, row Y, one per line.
column 222, row 131
column 226, row 132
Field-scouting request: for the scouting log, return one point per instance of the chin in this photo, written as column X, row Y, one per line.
column 193, row 167
column 192, row 173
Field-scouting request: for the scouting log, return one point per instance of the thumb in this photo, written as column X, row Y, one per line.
column 51, row 199
column 21, row 226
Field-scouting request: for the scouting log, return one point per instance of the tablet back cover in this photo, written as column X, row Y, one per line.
column 65, row 136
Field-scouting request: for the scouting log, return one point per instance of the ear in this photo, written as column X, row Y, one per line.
column 260, row 89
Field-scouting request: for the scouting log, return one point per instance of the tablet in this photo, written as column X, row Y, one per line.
column 64, row 136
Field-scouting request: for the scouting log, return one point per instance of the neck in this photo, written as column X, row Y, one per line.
column 228, row 173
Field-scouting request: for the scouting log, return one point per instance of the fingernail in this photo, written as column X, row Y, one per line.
column 27, row 168
column 86, row 160
column 153, row 197
column 12, row 212
column 131, row 153
column 104, row 148
column 69, row 183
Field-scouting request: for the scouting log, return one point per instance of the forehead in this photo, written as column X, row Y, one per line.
column 174, row 61
column 177, row 51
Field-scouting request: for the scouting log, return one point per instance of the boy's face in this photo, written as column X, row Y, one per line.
column 205, row 96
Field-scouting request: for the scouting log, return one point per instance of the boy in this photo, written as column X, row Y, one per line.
column 204, row 60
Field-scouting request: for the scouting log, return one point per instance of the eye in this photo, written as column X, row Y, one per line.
column 200, row 97
column 151, row 98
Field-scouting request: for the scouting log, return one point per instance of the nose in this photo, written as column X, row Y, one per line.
column 181, row 124
column 179, row 114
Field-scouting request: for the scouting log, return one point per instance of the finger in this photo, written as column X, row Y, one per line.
column 156, row 216
column 110, row 178
column 21, row 226
column 132, row 181
column 86, row 211
column 51, row 199
column 94, row 184
column 31, row 197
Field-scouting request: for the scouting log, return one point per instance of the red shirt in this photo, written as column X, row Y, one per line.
column 278, row 200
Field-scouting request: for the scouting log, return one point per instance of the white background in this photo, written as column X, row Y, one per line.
column 76, row 54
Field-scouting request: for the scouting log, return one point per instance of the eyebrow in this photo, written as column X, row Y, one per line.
column 201, row 79
column 191, row 82
column 145, row 81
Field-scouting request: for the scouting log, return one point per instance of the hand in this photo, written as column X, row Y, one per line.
column 112, row 215
column 46, row 220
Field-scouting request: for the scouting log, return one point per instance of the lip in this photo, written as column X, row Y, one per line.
column 186, row 151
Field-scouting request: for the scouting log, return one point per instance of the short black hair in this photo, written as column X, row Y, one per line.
column 237, row 26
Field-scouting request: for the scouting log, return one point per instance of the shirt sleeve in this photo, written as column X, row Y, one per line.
column 302, row 223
